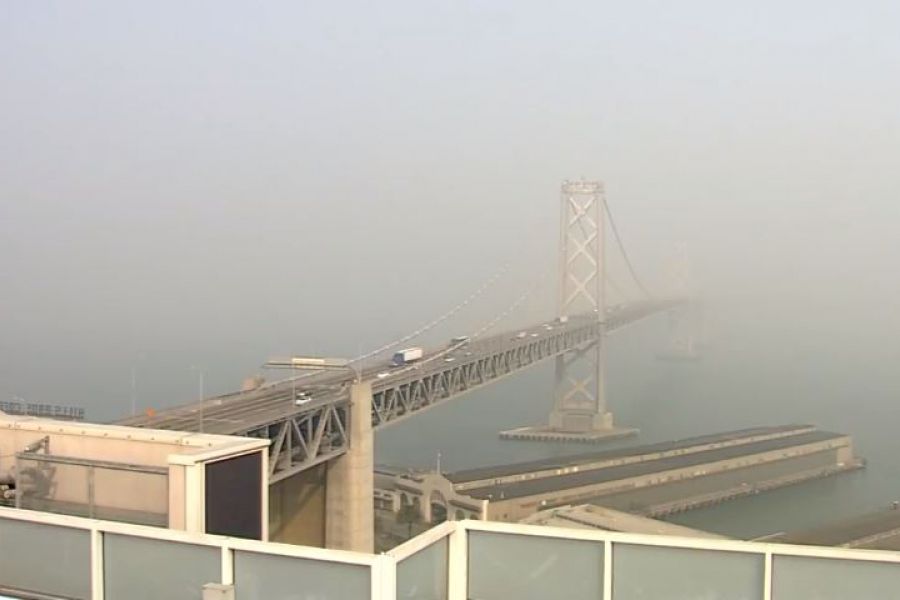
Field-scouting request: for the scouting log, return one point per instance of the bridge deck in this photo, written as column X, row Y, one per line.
column 239, row 412
column 317, row 429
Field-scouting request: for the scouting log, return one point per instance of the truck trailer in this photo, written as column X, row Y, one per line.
column 403, row 357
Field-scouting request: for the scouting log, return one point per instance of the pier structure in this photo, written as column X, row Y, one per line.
column 652, row 480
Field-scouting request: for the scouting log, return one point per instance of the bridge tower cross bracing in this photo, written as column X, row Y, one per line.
column 579, row 410
column 580, row 399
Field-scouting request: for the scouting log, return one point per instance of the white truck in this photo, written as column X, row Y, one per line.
column 403, row 357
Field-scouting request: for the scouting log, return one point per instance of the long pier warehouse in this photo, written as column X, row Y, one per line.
column 653, row 480
column 877, row 530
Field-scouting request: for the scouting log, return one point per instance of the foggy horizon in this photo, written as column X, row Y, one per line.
column 215, row 183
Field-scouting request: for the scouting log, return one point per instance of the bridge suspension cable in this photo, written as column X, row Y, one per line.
column 615, row 230
column 516, row 303
column 490, row 324
column 434, row 323
column 615, row 286
column 496, row 276
column 509, row 309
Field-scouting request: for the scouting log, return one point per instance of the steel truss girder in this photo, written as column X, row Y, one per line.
column 306, row 438
column 319, row 432
column 437, row 382
column 424, row 388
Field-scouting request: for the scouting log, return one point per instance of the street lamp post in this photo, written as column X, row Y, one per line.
column 136, row 364
column 201, row 375
column 133, row 391
column 308, row 363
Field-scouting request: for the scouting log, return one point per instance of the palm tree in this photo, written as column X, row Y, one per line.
column 411, row 515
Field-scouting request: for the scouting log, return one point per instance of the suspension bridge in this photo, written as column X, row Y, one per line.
column 321, row 423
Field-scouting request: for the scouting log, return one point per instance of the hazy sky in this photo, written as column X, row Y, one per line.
column 216, row 182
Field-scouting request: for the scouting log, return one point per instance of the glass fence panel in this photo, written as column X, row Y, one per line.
column 267, row 577
column 804, row 578
column 45, row 559
column 51, row 487
column 505, row 566
column 423, row 576
column 147, row 503
column 142, row 568
column 653, row 572
column 93, row 489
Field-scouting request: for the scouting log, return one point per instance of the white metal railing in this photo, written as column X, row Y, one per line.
column 841, row 558
column 381, row 568
column 437, row 564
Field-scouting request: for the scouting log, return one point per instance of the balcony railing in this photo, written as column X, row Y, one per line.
column 60, row 556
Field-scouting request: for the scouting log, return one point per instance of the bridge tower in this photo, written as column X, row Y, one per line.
column 684, row 319
column 579, row 410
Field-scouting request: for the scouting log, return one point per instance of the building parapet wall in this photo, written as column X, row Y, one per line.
column 158, row 477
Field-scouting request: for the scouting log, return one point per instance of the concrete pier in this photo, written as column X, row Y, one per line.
column 678, row 481
column 878, row 530
column 655, row 479
column 349, row 510
column 548, row 434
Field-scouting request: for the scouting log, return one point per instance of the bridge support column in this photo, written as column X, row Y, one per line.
column 580, row 405
column 684, row 320
column 350, row 485
column 682, row 345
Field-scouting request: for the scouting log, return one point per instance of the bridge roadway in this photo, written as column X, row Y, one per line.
column 307, row 434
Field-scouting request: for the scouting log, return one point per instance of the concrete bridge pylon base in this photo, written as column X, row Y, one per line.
column 350, row 485
column 572, row 426
column 546, row 434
